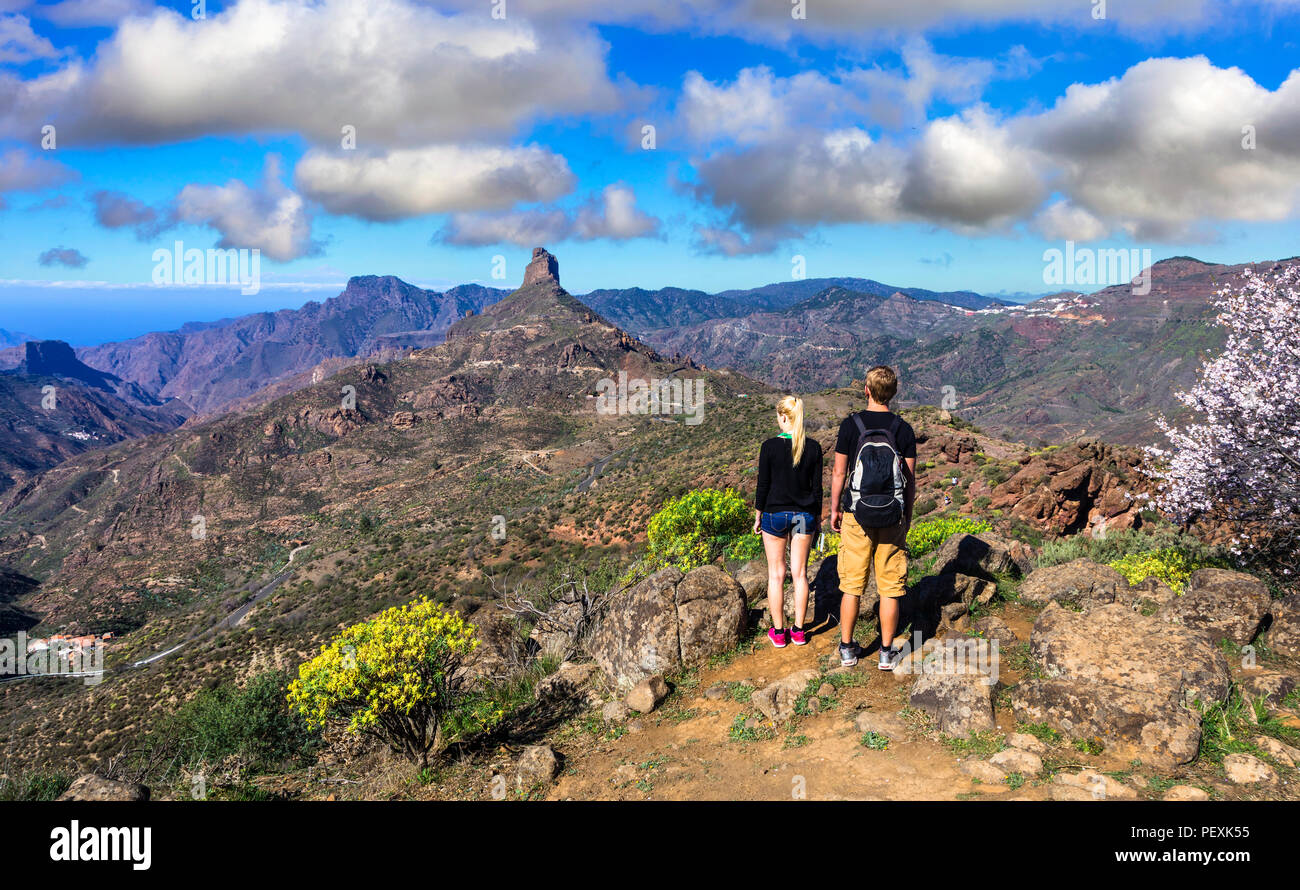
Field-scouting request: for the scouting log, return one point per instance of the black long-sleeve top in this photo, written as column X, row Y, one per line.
column 783, row 486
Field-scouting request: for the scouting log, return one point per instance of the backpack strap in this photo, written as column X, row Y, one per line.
column 862, row 427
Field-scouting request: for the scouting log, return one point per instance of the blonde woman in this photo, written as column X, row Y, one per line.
column 788, row 509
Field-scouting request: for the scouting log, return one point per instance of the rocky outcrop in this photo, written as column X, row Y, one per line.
column 543, row 267
column 92, row 787
column 1073, row 489
column 1081, row 582
column 1223, row 605
column 666, row 622
column 1284, row 632
column 1112, row 673
column 984, row 556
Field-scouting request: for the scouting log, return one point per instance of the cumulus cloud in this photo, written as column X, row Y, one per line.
column 63, row 256
column 20, row 44
column 613, row 215
column 759, row 107
column 398, row 71
column 271, row 217
column 1153, row 153
column 1165, row 145
column 436, row 179
column 1063, row 221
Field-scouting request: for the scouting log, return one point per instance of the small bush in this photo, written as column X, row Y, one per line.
column 1171, row 565
column 397, row 677
column 1165, row 553
column 929, row 534
column 696, row 528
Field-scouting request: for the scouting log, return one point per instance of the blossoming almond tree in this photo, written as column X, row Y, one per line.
column 1239, row 462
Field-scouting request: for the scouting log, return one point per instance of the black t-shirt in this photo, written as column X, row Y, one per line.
column 784, row 486
column 847, row 440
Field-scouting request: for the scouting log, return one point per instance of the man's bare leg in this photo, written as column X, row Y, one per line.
column 888, row 620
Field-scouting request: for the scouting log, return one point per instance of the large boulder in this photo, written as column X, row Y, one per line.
column 1223, row 605
column 667, row 621
column 752, row 578
column 984, row 555
column 711, row 614
column 92, row 787
column 1082, row 582
column 1126, row 678
column 1284, row 633
column 955, row 687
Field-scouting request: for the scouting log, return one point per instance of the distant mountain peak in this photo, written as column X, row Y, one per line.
column 54, row 358
column 543, row 267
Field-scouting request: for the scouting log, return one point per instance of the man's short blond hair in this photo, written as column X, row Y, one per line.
column 882, row 383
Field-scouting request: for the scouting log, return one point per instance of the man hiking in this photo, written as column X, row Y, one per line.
column 874, row 482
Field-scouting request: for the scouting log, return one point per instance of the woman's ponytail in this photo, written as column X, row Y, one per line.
column 791, row 407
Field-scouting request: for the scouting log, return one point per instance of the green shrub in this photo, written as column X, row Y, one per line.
column 1163, row 552
column 1171, row 565
column 696, row 528
column 34, row 786
column 398, row 678
column 251, row 723
column 928, row 534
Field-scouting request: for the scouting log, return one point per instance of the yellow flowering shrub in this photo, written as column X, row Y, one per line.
column 397, row 677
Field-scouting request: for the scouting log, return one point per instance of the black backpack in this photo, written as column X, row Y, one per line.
column 877, row 477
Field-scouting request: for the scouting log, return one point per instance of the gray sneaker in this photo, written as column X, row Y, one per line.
column 888, row 658
column 849, row 653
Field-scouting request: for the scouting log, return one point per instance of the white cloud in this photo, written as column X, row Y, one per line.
column 968, row 171
column 1063, row 221
column 438, row 179
column 1157, row 153
column 271, row 218
column 760, row 107
column 1162, row 147
column 612, row 215
column 20, row 44
column 398, row 71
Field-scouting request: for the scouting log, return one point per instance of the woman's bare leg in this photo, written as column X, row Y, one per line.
column 774, row 547
column 800, row 545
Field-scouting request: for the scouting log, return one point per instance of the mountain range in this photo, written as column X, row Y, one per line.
column 238, row 543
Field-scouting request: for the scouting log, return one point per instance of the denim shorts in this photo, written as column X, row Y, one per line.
column 783, row 523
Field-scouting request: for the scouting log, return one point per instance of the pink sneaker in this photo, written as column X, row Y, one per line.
column 797, row 637
column 778, row 637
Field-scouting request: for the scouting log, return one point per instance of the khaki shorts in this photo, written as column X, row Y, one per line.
column 862, row 551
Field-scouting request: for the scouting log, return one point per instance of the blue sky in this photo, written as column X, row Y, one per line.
column 919, row 144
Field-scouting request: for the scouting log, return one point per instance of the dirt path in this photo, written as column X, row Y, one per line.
column 685, row 750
